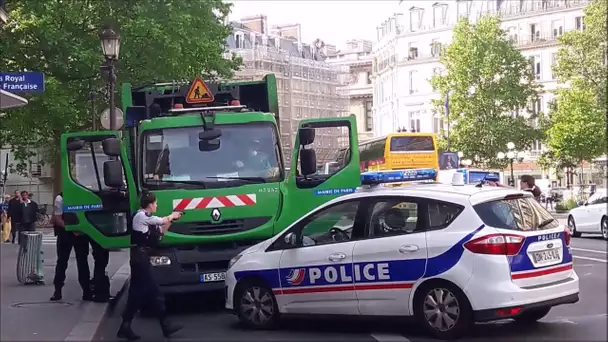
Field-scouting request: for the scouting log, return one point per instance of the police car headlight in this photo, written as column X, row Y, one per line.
column 160, row 260
column 234, row 261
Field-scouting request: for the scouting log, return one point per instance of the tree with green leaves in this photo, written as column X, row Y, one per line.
column 487, row 80
column 160, row 41
column 577, row 125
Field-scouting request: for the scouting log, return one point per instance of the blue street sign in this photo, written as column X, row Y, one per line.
column 22, row 82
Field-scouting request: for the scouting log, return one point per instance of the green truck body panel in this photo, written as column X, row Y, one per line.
column 104, row 214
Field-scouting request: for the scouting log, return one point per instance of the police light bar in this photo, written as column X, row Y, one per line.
column 411, row 175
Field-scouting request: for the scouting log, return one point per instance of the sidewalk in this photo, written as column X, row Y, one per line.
column 28, row 315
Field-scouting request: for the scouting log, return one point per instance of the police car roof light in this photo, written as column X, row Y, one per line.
column 398, row 176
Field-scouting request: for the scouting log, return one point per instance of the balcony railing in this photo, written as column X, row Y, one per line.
column 530, row 7
column 534, row 40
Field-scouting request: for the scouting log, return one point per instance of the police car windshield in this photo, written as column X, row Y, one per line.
column 247, row 153
column 524, row 214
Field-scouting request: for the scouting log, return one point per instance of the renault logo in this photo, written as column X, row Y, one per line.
column 215, row 214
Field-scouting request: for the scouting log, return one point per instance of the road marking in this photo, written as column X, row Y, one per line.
column 592, row 259
column 389, row 338
column 589, row 250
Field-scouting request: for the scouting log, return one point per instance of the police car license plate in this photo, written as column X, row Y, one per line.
column 212, row 277
column 546, row 257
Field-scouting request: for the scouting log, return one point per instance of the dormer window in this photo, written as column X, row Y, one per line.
column 439, row 15
column 463, row 8
column 415, row 18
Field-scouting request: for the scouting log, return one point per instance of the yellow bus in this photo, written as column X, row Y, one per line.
column 397, row 151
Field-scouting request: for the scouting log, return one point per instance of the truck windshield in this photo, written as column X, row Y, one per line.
column 247, row 153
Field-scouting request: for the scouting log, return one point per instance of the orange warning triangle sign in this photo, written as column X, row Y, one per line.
column 199, row 93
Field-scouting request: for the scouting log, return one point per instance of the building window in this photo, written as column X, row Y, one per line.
column 512, row 34
column 435, row 48
column 369, row 123
column 413, row 81
column 414, row 121
column 535, row 61
column 536, row 69
column 463, row 8
column 534, row 32
column 579, row 23
column 439, row 15
column 437, row 124
column 368, row 77
column 557, row 28
column 415, row 19
column 412, row 51
column 238, row 40
column 553, row 63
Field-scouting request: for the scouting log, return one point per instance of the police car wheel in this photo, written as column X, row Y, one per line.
column 531, row 316
column 443, row 309
column 256, row 306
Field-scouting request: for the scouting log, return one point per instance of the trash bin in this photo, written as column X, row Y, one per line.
column 30, row 268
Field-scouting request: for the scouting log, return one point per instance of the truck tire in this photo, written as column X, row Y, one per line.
column 256, row 306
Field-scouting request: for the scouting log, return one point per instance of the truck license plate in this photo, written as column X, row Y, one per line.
column 546, row 257
column 213, row 277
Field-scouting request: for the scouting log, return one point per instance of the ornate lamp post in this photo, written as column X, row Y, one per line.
column 110, row 45
column 511, row 155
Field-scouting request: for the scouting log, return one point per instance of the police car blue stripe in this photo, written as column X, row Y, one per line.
column 393, row 273
column 521, row 262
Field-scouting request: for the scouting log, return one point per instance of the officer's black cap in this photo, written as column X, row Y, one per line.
column 146, row 199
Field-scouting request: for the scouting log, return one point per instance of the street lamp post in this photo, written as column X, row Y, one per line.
column 110, row 45
column 511, row 155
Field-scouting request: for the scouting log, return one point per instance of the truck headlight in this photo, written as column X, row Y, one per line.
column 234, row 260
column 160, row 261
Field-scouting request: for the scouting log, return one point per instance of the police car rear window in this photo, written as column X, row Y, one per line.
column 524, row 214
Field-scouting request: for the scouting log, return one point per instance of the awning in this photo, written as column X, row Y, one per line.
column 9, row 100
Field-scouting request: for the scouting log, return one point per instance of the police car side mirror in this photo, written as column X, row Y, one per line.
column 290, row 239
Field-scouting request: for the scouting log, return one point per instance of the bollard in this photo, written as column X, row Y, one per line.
column 30, row 269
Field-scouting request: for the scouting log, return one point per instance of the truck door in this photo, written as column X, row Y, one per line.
column 98, row 188
column 315, row 145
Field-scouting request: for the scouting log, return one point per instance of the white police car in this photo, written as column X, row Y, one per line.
column 450, row 255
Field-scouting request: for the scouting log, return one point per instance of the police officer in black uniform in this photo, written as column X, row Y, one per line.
column 147, row 231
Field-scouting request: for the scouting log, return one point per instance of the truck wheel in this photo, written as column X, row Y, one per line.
column 443, row 309
column 532, row 315
column 256, row 305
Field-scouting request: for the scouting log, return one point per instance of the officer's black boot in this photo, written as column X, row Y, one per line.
column 101, row 289
column 57, row 295
column 126, row 332
column 169, row 328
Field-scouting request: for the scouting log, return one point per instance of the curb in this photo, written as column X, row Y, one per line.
column 89, row 322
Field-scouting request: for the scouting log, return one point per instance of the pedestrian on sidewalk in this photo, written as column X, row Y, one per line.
column 29, row 213
column 527, row 183
column 15, row 213
column 66, row 241
column 143, row 289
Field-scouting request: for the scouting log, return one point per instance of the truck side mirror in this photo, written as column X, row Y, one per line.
column 75, row 144
column 112, row 174
column 308, row 162
column 211, row 134
column 307, row 136
column 111, row 147
column 208, row 145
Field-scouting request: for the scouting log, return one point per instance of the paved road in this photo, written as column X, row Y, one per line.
column 204, row 319
column 27, row 314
